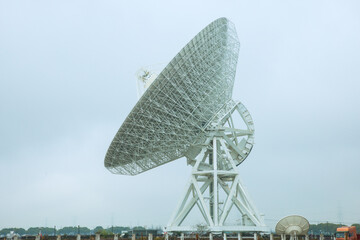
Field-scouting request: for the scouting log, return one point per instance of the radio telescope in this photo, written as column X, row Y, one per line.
column 188, row 111
column 292, row 225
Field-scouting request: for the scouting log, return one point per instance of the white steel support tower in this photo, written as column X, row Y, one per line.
column 187, row 111
column 214, row 170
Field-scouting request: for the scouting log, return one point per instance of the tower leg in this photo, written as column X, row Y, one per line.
column 214, row 175
column 219, row 172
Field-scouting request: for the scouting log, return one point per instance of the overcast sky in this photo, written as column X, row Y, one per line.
column 67, row 82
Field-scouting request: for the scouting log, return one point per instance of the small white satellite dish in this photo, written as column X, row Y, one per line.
column 292, row 225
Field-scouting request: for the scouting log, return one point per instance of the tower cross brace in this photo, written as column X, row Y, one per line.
column 214, row 170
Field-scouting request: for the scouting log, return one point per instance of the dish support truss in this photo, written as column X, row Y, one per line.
column 214, row 169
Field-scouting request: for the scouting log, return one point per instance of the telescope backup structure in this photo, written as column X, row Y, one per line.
column 187, row 111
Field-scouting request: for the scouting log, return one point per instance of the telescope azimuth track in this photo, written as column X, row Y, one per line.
column 188, row 111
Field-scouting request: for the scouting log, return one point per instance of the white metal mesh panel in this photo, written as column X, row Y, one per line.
column 179, row 103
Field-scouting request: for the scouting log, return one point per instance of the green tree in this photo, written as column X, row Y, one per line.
column 47, row 231
column 33, row 231
column 357, row 225
column 5, row 231
column 117, row 229
column 84, row 230
column 98, row 229
column 68, row 231
column 324, row 228
column 104, row 233
column 139, row 228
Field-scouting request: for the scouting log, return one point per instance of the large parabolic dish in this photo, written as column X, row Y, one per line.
column 188, row 111
column 180, row 103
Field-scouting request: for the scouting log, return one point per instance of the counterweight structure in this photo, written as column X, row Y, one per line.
column 187, row 112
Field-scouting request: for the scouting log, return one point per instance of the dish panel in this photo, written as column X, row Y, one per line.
column 179, row 103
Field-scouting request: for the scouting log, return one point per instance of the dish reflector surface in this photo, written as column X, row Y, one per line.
column 179, row 104
column 293, row 225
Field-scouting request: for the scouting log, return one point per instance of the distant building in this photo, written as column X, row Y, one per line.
column 12, row 235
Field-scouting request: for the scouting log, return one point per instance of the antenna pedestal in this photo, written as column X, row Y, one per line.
column 214, row 185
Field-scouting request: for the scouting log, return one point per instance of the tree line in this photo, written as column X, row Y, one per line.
column 67, row 230
column 328, row 228
column 316, row 229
